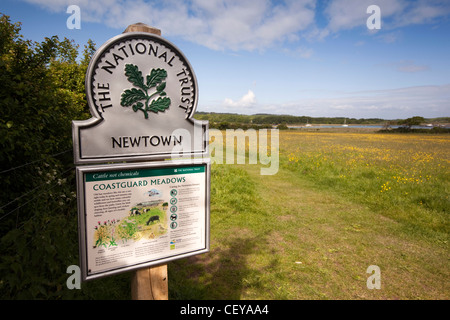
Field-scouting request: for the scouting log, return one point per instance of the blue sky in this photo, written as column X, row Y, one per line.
column 300, row 57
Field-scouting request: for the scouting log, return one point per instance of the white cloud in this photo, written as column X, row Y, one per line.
column 389, row 37
column 410, row 66
column 348, row 14
column 300, row 52
column 406, row 66
column 247, row 100
column 422, row 11
column 217, row 24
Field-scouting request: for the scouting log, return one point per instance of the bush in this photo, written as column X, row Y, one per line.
column 41, row 92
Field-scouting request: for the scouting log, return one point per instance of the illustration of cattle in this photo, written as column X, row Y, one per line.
column 135, row 212
column 153, row 218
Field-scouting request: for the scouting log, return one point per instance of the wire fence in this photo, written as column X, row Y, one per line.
column 38, row 228
column 35, row 197
column 43, row 189
column 33, row 162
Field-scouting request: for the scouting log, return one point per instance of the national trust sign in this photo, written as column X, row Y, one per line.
column 142, row 94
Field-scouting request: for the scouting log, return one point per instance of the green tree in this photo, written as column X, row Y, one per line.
column 414, row 121
column 41, row 92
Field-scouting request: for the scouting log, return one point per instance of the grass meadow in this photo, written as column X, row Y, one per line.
column 339, row 203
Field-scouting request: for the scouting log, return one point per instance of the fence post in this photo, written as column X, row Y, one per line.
column 149, row 283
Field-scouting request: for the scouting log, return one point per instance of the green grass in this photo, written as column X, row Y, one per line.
column 235, row 229
column 403, row 177
column 312, row 230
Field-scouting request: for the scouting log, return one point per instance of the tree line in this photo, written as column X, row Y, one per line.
column 233, row 120
column 275, row 119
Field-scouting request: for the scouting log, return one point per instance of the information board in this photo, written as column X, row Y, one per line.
column 137, row 215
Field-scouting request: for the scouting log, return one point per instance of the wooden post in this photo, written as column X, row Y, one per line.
column 141, row 27
column 149, row 283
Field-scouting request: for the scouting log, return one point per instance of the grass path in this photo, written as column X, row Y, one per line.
column 336, row 240
column 279, row 237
